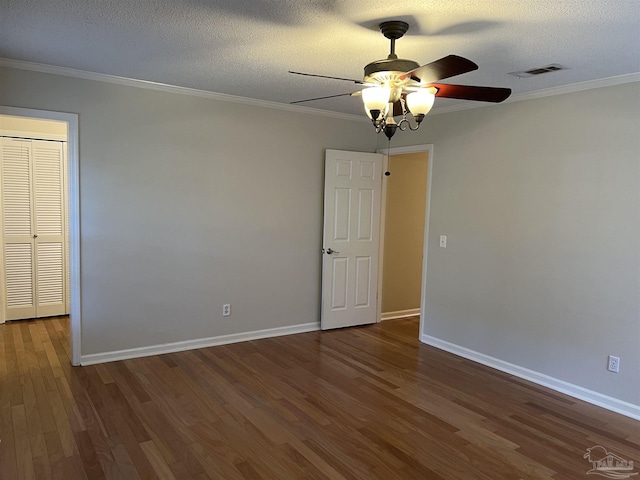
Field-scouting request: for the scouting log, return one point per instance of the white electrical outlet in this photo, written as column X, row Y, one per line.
column 226, row 310
column 614, row 364
column 443, row 241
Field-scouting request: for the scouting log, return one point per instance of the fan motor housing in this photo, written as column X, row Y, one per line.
column 388, row 73
column 390, row 65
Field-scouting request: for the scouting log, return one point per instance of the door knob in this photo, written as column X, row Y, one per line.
column 329, row 251
column 35, row 236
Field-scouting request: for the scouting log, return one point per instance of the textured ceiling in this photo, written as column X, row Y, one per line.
column 246, row 47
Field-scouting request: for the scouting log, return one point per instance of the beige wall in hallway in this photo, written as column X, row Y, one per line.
column 404, row 231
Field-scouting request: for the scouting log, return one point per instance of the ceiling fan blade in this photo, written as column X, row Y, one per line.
column 325, row 76
column 446, row 67
column 470, row 92
column 322, row 98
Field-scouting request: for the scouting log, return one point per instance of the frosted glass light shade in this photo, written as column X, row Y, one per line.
column 421, row 101
column 376, row 98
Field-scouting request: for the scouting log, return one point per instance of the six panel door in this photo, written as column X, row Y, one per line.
column 353, row 186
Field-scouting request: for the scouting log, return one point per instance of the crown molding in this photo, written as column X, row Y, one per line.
column 547, row 92
column 163, row 87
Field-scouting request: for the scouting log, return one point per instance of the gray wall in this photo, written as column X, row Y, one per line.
column 188, row 203
column 540, row 201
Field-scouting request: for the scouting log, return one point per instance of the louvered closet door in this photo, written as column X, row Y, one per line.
column 18, row 225
column 50, row 291
column 33, row 229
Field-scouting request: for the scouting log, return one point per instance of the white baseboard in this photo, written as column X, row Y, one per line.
column 94, row 358
column 590, row 396
column 412, row 312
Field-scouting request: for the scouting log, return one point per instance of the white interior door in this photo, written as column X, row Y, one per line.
column 34, row 228
column 351, row 237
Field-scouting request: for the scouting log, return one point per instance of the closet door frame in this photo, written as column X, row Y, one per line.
column 73, row 181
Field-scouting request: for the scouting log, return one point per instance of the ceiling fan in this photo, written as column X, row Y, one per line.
column 395, row 86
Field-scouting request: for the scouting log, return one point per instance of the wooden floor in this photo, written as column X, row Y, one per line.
column 359, row 403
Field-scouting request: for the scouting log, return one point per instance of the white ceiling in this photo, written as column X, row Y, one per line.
column 246, row 47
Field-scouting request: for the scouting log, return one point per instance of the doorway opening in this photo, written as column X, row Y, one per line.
column 404, row 232
column 29, row 125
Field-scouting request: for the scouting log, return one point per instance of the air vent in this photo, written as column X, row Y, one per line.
column 554, row 67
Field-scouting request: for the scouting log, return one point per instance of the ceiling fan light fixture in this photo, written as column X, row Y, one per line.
column 389, row 126
column 400, row 87
column 376, row 100
column 421, row 101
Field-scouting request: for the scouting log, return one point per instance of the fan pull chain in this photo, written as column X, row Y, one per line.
column 387, row 173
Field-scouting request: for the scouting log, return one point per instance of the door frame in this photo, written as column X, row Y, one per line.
column 428, row 148
column 73, row 182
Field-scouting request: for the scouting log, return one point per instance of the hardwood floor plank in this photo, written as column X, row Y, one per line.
column 361, row 403
column 126, row 468
column 64, row 428
column 489, row 443
column 55, row 454
column 128, row 446
column 215, row 464
column 157, row 462
column 3, row 355
column 48, row 377
column 248, row 471
column 75, row 468
column 42, row 468
column 172, row 444
column 340, row 461
column 8, row 389
column 47, row 422
column 90, row 462
column 24, row 456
